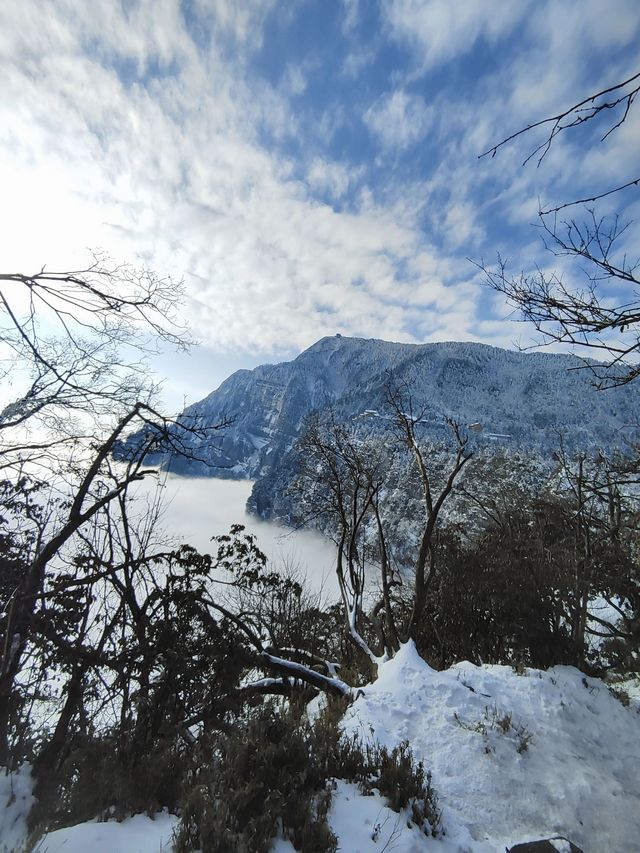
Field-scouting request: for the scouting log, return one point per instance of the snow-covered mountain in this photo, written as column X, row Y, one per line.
column 523, row 401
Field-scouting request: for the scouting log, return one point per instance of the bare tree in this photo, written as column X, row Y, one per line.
column 73, row 344
column 342, row 480
column 602, row 494
column 407, row 422
column 615, row 100
column 345, row 483
column 593, row 317
column 137, row 626
column 89, row 490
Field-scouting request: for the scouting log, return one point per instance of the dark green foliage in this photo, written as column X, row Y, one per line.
column 100, row 779
column 622, row 654
column 244, row 786
column 276, row 774
column 395, row 774
column 518, row 592
column 157, row 660
column 621, row 695
column 21, row 516
column 405, row 783
column 14, row 545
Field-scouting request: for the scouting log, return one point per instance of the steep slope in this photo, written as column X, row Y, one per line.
column 524, row 402
column 514, row 757
column 267, row 405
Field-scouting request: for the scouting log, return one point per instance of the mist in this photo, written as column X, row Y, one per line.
column 196, row 509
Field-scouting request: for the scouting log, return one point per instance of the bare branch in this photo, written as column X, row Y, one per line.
column 578, row 114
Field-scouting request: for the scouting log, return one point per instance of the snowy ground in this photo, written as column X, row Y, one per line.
column 578, row 775
column 514, row 758
column 139, row 834
column 15, row 802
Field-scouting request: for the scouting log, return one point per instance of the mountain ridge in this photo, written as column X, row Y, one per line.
column 526, row 400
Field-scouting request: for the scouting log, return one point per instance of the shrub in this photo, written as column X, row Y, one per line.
column 276, row 775
column 270, row 772
column 246, row 786
column 98, row 780
column 406, row 785
column 621, row 695
column 494, row 720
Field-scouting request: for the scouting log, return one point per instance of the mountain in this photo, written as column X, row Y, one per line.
column 523, row 402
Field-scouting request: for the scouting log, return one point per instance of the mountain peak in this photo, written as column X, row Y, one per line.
column 523, row 399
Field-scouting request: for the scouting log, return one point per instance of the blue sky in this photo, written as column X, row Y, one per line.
column 310, row 166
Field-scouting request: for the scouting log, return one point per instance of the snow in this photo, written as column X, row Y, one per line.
column 138, row 834
column 577, row 776
column 630, row 686
column 15, row 802
column 514, row 758
column 366, row 825
column 281, row 845
column 560, row 845
column 525, row 397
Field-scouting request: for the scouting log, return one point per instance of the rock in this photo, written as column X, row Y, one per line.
column 555, row 844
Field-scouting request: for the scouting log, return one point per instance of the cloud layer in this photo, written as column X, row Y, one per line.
column 309, row 168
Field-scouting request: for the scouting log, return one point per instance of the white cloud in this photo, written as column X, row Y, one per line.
column 294, row 80
column 398, row 119
column 351, row 11
column 461, row 224
column 243, row 21
column 357, row 60
column 440, row 30
column 96, row 152
column 334, row 179
column 172, row 172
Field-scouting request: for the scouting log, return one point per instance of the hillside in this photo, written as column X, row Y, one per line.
column 514, row 757
column 529, row 397
column 523, row 404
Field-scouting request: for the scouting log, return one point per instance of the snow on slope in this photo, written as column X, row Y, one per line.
column 578, row 775
column 528, row 397
column 139, row 834
column 15, row 802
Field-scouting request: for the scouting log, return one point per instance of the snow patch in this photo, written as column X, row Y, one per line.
column 576, row 775
column 16, row 800
column 138, row 834
column 365, row 824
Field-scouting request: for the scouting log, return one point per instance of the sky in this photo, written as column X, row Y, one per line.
column 307, row 167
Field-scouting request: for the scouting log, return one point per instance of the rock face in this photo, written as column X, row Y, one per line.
column 521, row 401
column 557, row 844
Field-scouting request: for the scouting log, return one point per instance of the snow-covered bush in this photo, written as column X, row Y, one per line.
column 406, row 785
column 501, row 722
